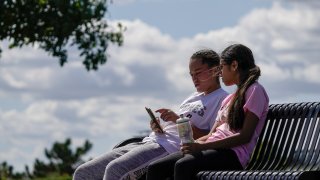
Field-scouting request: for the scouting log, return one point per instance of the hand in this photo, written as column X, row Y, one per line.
column 154, row 126
column 189, row 148
column 168, row 115
column 200, row 141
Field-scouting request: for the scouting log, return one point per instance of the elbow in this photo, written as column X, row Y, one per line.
column 245, row 139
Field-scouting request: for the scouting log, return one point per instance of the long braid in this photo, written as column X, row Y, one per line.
column 236, row 112
column 249, row 73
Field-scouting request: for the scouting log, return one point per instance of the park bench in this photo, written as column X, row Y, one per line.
column 287, row 148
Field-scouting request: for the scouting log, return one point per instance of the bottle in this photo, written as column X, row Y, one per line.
column 185, row 130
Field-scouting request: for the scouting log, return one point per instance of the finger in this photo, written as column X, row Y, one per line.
column 164, row 116
column 161, row 110
column 157, row 118
column 155, row 129
column 154, row 126
column 168, row 115
column 164, row 111
column 185, row 151
column 184, row 147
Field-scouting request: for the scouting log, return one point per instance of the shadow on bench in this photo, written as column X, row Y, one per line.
column 288, row 147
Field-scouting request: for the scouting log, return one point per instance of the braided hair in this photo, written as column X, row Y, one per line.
column 248, row 74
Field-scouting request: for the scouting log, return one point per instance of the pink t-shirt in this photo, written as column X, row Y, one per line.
column 257, row 102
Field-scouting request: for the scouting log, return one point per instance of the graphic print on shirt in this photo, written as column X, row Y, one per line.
column 197, row 108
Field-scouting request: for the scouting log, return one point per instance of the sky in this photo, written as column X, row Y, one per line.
column 41, row 103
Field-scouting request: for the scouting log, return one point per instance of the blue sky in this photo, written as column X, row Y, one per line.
column 41, row 103
column 185, row 18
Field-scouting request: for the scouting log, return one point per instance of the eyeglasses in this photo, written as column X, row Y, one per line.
column 206, row 74
column 219, row 68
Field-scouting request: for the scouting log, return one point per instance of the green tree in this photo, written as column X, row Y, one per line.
column 6, row 172
column 54, row 25
column 62, row 159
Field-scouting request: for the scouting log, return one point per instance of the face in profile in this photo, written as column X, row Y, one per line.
column 227, row 74
column 202, row 76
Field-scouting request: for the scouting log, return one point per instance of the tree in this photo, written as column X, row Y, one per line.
column 6, row 172
column 62, row 159
column 54, row 25
column 61, row 163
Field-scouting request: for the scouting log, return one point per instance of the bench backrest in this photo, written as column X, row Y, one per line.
column 290, row 139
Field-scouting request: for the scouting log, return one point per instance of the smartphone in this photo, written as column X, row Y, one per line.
column 153, row 118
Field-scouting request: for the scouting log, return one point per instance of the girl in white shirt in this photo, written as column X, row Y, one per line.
column 131, row 161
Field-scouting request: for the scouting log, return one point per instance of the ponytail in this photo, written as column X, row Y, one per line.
column 248, row 74
column 236, row 112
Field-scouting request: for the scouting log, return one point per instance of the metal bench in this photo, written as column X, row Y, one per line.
column 288, row 147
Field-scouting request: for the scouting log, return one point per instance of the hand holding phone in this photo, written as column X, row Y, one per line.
column 154, row 120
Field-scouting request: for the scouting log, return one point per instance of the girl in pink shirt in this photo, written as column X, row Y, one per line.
column 233, row 137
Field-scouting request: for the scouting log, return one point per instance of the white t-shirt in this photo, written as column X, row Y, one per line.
column 202, row 111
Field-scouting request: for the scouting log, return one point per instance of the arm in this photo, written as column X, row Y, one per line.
column 213, row 129
column 245, row 135
column 168, row 115
column 154, row 126
column 197, row 132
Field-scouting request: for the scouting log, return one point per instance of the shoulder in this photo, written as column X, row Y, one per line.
column 227, row 99
column 256, row 88
column 256, row 92
column 192, row 97
column 219, row 93
column 195, row 95
column 222, row 92
column 257, row 100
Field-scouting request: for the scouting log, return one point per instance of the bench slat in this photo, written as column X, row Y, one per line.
column 288, row 147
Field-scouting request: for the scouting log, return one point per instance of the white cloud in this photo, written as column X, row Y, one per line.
column 273, row 72
column 37, row 127
column 30, row 78
column 284, row 40
column 309, row 73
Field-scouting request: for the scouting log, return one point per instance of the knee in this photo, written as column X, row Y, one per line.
column 152, row 171
column 183, row 165
column 81, row 173
column 114, row 170
column 152, row 167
